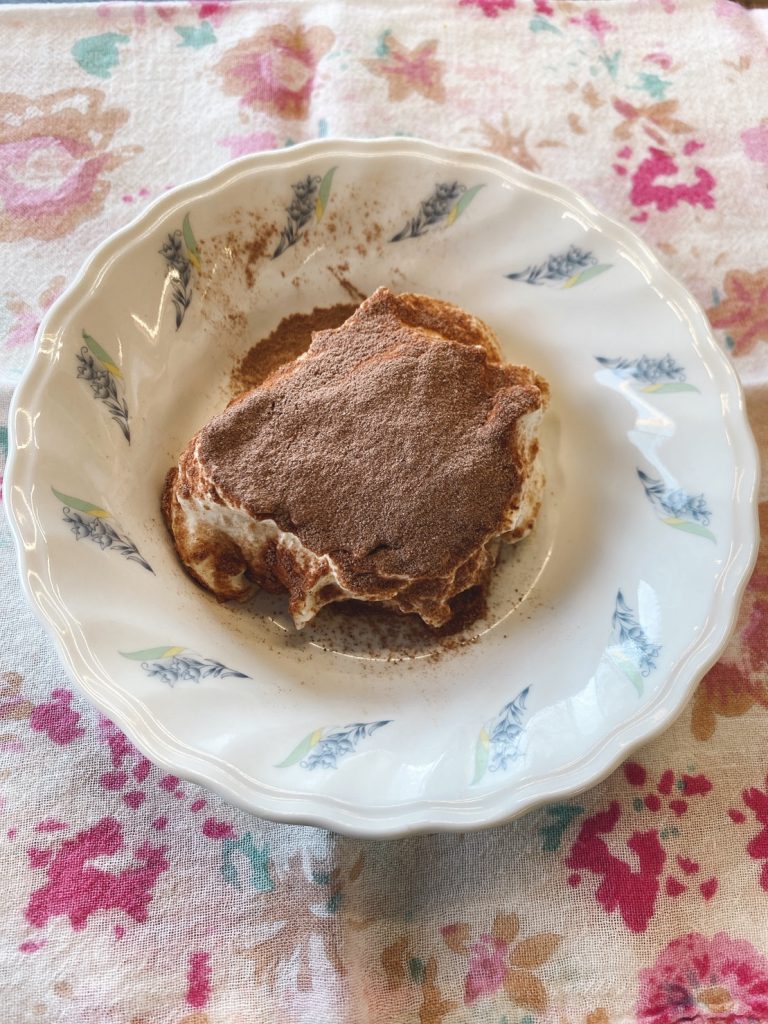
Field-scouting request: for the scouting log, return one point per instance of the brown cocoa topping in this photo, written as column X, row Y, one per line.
column 389, row 451
column 291, row 337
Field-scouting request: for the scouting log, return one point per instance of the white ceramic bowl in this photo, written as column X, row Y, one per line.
column 601, row 622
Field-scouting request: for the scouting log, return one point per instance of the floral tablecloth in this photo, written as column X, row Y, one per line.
column 129, row 896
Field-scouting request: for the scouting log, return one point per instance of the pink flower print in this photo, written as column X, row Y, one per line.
column 661, row 58
column 275, row 69
column 757, row 848
column 57, row 719
column 76, row 889
column 490, row 8
column 596, row 23
column 214, row 829
column 646, row 189
column 631, row 891
column 26, row 319
column 255, row 142
column 675, row 794
column 32, row 947
column 55, row 155
column 487, row 968
column 717, row 979
column 213, row 12
column 755, row 142
column 24, row 326
column 199, row 979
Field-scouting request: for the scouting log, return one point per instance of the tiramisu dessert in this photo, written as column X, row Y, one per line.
column 385, row 465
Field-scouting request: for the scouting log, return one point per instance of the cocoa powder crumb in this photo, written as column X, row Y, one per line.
column 352, row 290
column 245, row 250
column 238, row 323
column 255, row 249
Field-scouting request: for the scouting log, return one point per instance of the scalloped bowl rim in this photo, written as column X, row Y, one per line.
column 416, row 816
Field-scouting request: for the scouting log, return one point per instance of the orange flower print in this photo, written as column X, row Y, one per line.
column 275, row 69
column 752, row 626
column 656, row 119
column 504, row 141
column 743, row 313
column 740, row 681
column 409, row 71
column 406, row 972
column 14, row 708
column 724, row 691
column 54, row 151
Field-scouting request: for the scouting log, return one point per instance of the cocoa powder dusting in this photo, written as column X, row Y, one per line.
column 254, row 249
column 384, row 450
column 385, row 630
column 244, row 247
column 291, row 337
